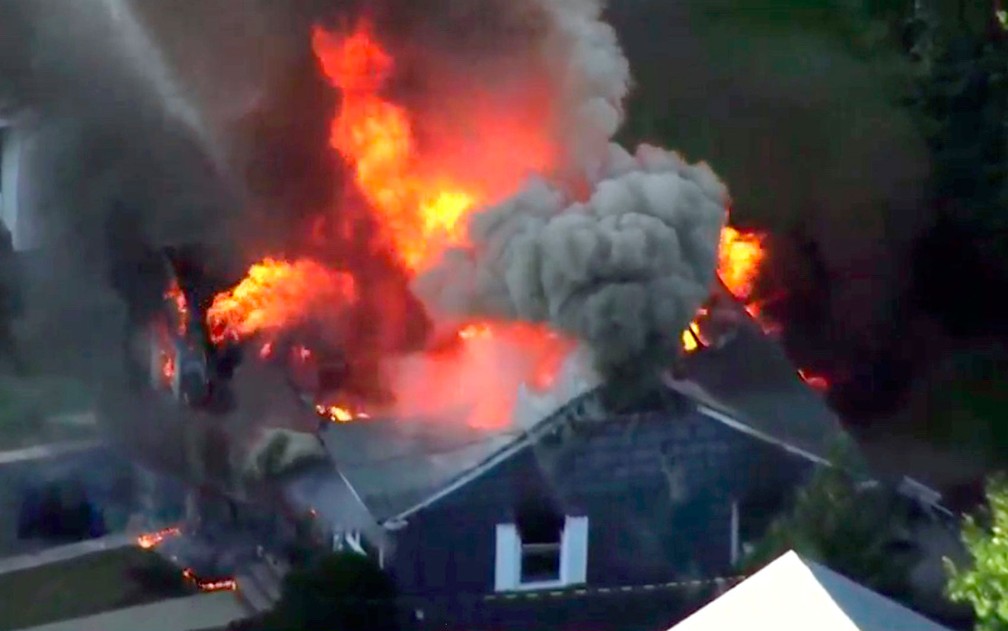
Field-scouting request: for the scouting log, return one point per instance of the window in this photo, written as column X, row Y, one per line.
column 541, row 554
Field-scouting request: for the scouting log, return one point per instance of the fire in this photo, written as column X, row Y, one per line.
column 178, row 300
column 547, row 358
column 167, row 367
column 339, row 414
column 227, row 584
column 275, row 295
column 419, row 214
column 152, row 539
column 421, row 194
column 691, row 337
column 817, row 382
column 740, row 256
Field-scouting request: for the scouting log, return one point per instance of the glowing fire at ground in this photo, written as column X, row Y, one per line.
column 227, row 584
column 275, row 295
column 152, row 539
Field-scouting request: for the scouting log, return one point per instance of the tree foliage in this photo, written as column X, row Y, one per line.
column 852, row 527
column 983, row 584
column 961, row 103
column 345, row 591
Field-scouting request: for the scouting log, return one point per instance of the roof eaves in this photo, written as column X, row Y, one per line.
column 725, row 415
column 521, row 441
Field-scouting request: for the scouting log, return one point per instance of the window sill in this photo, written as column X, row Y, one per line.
column 540, row 585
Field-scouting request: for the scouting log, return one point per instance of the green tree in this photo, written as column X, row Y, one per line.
column 984, row 583
column 854, row 527
column 345, row 591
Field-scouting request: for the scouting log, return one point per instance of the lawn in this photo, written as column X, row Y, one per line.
column 28, row 405
column 87, row 585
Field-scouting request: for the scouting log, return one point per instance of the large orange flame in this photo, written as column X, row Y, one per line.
column 275, row 295
column 422, row 193
column 420, row 214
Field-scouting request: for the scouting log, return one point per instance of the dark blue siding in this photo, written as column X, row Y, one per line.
column 657, row 490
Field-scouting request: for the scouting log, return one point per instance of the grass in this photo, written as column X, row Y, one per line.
column 26, row 404
column 88, row 585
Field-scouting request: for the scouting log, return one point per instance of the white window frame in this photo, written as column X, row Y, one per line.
column 573, row 557
column 735, row 548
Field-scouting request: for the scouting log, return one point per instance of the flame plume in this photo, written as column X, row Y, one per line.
column 275, row 295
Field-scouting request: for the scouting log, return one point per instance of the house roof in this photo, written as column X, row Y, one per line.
column 753, row 381
column 393, row 464
column 793, row 594
column 397, row 465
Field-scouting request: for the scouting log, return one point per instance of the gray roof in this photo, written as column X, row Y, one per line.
column 752, row 380
column 393, row 464
column 793, row 593
column 325, row 491
column 396, row 464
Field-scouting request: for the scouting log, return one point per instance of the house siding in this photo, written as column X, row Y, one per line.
column 657, row 489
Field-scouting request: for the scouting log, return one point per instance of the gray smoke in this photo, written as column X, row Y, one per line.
column 624, row 271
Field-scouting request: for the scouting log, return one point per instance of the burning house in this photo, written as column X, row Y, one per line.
column 507, row 357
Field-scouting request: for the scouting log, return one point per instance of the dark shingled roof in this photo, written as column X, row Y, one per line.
column 393, row 464
column 396, row 464
column 752, row 380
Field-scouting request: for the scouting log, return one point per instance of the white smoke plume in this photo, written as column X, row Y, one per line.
column 624, row 270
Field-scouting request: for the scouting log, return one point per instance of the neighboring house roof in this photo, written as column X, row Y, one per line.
column 792, row 594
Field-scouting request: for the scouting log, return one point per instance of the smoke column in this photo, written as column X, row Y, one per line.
column 619, row 250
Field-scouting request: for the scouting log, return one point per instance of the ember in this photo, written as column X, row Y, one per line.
column 152, row 539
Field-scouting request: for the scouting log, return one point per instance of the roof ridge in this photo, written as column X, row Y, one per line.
column 522, row 439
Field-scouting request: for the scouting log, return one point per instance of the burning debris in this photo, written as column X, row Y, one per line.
column 151, row 540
